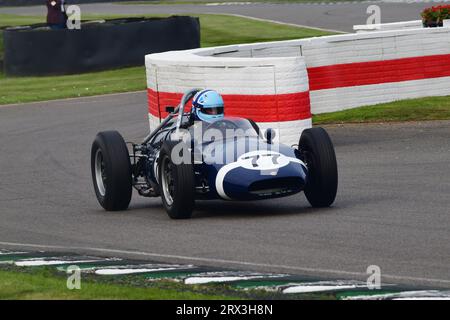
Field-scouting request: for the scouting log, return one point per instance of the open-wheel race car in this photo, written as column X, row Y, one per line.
column 185, row 159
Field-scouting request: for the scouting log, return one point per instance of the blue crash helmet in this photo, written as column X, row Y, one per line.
column 208, row 105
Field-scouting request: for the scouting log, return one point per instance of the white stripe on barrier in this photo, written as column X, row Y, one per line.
column 383, row 45
column 329, row 100
column 388, row 26
column 270, row 77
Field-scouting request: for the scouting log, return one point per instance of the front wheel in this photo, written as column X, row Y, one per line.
column 318, row 153
column 176, row 181
column 111, row 171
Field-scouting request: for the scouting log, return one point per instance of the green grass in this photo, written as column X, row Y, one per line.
column 1, row 46
column 88, row 84
column 44, row 284
column 11, row 20
column 215, row 30
column 430, row 108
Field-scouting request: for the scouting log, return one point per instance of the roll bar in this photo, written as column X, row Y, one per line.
column 179, row 110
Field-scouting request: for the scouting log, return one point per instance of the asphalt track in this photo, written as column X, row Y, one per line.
column 334, row 16
column 392, row 208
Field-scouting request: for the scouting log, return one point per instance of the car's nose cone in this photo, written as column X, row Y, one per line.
column 264, row 175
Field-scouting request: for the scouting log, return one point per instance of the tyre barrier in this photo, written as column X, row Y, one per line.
column 101, row 45
column 272, row 91
column 280, row 84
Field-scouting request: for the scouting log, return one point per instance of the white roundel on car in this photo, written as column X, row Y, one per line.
column 262, row 160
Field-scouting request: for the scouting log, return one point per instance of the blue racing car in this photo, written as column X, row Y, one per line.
column 201, row 154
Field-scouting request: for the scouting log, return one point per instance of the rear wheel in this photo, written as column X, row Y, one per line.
column 111, row 171
column 177, row 184
column 318, row 153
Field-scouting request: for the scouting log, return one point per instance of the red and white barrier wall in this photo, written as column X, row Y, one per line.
column 279, row 84
column 354, row 70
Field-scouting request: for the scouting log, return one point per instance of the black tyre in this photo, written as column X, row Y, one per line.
column 318, row 153
column 176, row 181
column 111, row 171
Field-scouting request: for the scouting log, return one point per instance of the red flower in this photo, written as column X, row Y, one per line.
column 436, row 14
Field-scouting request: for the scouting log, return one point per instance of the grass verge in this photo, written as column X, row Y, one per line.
column 430, row 108
column 12, row 20
column 81, row 85
column 43, row 284
column 215, row 30
column 46, row 283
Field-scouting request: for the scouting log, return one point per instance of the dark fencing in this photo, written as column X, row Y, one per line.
column 37, row 50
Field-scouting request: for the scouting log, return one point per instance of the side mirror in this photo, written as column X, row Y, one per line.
column 170, row 109
column 270, row 135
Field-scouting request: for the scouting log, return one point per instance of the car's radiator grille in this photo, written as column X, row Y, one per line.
column 275, row 185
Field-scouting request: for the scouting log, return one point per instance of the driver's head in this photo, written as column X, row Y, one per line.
column 208, row 105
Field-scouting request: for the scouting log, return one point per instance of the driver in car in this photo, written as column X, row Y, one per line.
column 208, row 106
column 208, row 112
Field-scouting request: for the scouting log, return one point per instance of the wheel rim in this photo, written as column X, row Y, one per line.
column 100, row 172
column 167, row 182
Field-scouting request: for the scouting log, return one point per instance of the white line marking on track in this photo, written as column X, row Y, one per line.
column 35, row 262
column 11, row 252
column 118, row 271
column 204, row 280
column 225, row 261
column 311, row 288
column 321, row 286
column 407, row 295
column 228, row 276
column 229, row 3
column 130, row 269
